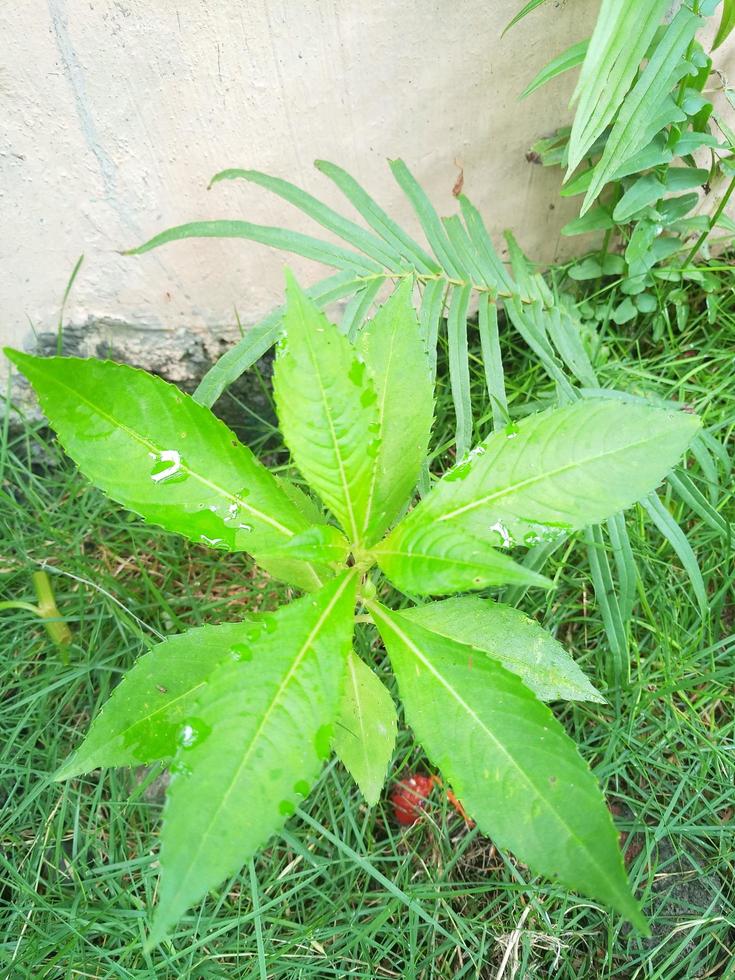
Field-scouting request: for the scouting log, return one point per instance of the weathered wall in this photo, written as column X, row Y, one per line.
column 117, row 112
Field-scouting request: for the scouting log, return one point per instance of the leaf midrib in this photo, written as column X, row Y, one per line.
column 381, row 420
column 304, row 649
column 377, row 610
column 122, row 732
column 148, row 444
column 548, row 474
column 364, row 739
column 502, row 659
column 335, row 442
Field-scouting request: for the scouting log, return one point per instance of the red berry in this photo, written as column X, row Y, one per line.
column 408, row 798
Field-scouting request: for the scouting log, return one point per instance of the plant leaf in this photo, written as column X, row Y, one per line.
column 727, row 23
column 494, row 273
column 439, row 559
column 679, row 542
column 553, row 472
column 573, row 56
column 642, row 192
column 142, row 720
column 432, row 226
column 365, row 733
column 647, row 103
column 256, row 741
column 623, row 32
column 685, row 178
column 157, row 452
column 459, row 367
column 364, row 241
column 326, row 404
column 598, row 219
column 391, row 347
column 283, row 238
column 523, row 12
column 492, row 360
column 322, row 543
column 378, row 219
column 508, row 760
column 261, row 337
column 518, row 642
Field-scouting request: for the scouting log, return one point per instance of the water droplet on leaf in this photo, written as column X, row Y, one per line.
column 241, row 652
column 167, row 466
column 323, row 741
column 193, row 731
column 356, row 372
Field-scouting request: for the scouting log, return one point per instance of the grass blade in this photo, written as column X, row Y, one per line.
column 617, row 670
column 727, row 23
column 624, row 565
column 64, row 298
column 678, row 541
column 534, row 560
column 685, row 488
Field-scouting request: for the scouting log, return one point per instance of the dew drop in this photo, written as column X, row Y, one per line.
column 504, row 533
column 323, row 741
column 458, row 472
column 241, row 652
column 179, row 769
column 270, row 623
column 167, row 464
column 511, row 430
column 193, row 731
column 286, row 807
column 301, row 787
column 218, row 543
column 356, row 372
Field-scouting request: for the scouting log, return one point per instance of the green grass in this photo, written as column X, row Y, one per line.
column 344, row 891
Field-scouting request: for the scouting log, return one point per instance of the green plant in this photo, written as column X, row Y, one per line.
column 245, row 713
column 642, row 114
column 460, row 267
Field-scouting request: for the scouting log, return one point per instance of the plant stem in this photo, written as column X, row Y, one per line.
column 57, row 628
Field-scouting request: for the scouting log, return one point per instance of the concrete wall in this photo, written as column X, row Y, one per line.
column 117, row 112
